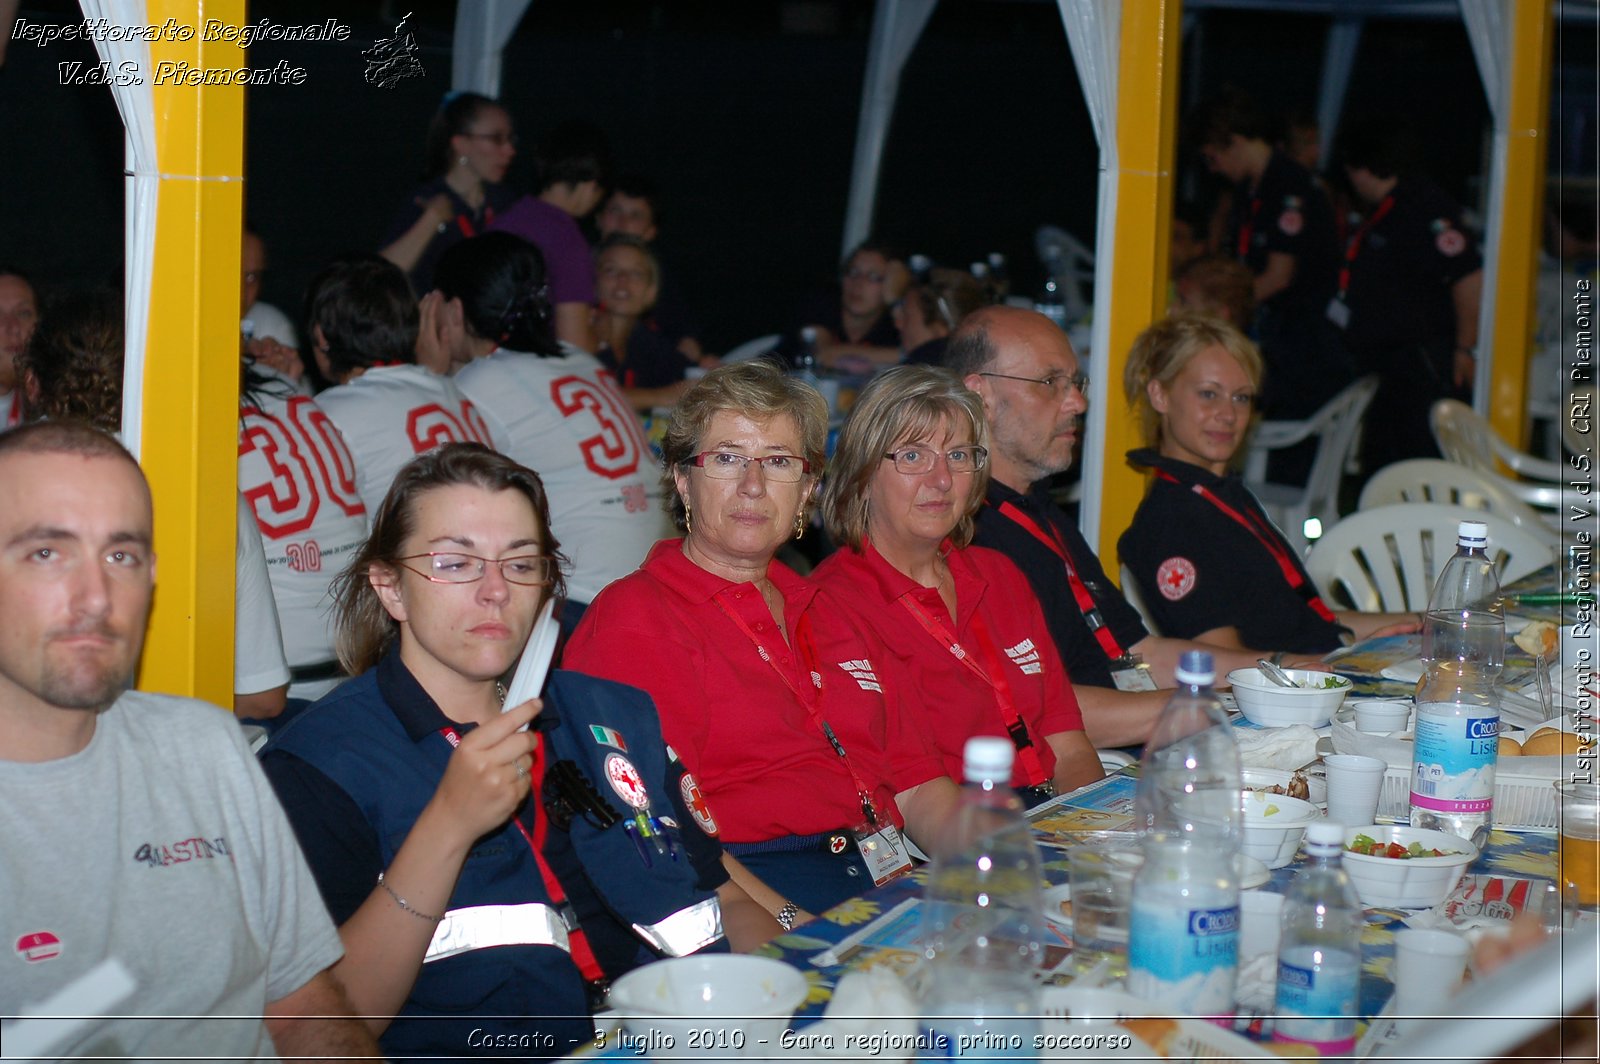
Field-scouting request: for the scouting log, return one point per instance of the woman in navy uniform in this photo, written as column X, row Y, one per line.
column 477, row 869
column 1210, row 564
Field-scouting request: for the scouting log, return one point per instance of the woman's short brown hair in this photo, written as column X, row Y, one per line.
column 900, row 405
column 364, row 628
column 758, row 389
column 1161, row 352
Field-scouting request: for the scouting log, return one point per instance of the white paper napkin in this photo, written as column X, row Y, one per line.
column 1285, row 748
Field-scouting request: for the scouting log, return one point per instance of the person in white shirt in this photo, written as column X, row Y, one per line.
column 556, row 408
column 363, row 321
column 299, row 481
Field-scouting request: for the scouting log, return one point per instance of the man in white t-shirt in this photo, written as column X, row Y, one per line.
column 136, row 827
column 363, row 320
column 299, row 480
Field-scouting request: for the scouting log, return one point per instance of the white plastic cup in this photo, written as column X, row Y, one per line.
column 1427, row 969
column 1260, row 913
column 1354, row 784
column 1382, row 718
column 1578, row 647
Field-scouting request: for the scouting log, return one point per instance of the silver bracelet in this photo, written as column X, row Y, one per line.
column 786, row 915
column 398, row 900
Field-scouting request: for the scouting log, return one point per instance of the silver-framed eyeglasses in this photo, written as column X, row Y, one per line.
column 914, row 461
column 1056, row 382
column 729, row 465
column 454, row 567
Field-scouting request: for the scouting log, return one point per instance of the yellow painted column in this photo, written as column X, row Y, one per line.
column 191, row 387
column 1521, row 219
column 1147, row 110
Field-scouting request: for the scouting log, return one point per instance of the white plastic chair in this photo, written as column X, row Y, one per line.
column 1388, row 557
column 1338, row 428
column 761, row 345
column 1431, row 480
column 1465, row 438
column 1130, row 591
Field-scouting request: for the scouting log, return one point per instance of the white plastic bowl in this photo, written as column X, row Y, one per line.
column 754, row 997
column 1265, row 703
column 1256, row 778
column 1411, row 882
column 1273, row 827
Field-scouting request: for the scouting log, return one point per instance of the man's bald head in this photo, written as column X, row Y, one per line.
column 1022, row 365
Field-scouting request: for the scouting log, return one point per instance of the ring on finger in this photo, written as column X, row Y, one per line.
column 522, row 771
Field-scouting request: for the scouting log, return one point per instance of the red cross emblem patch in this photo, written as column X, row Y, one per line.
column 697, row 804
column 1175, row 578
column 625, row 780
column 837, row 843
column 1450, row 242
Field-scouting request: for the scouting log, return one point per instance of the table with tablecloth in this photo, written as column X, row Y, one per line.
column 1098, row 811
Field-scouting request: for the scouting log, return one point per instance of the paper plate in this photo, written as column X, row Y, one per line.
column 534, row 665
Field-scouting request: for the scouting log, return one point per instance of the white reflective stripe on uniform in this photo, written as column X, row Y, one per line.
column 482, row 926
column 686, row 930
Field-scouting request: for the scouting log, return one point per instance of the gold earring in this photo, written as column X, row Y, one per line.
column 688, row 519
column 799, row 524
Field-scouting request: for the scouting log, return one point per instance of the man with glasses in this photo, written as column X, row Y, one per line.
column 136, row 826
column 1033, row 392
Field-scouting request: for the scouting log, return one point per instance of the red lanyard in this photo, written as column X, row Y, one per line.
column 1268, row 537
column 468, row 230
column 808, row 657
column 1353, row 248
column 1247, row 227
column 994, row 676
column 577, row 940
column 1080, row 593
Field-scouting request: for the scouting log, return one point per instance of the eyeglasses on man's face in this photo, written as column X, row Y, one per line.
column 453, row 567
column 916, row 460
column 727, row 465
column 1057, row 383
column 857, row 273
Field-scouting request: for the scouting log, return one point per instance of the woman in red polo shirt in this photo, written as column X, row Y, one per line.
column 771, row 692
column 908, row 476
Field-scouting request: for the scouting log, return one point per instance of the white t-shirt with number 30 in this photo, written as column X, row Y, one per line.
column 566, row 419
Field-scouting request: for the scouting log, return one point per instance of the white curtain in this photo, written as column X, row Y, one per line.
column 1094, row 32
column 482, row 29
column 896, row 25
column 1490, row 34
column 142, row 191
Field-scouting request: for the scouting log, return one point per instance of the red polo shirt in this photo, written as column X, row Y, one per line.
column 1000, row 628
column 735, row 702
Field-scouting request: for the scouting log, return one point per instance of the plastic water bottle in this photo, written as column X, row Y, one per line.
column 1319, row 953
column 1189, row 776
column 983, row 921
column 805, row 362
column 1183, row 936
column 1183, row 932
column 1458, row 709
column 999, row 279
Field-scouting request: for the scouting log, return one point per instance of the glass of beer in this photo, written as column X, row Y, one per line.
column 1579, row 853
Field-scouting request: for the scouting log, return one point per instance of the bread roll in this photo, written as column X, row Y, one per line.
column 1510, row 747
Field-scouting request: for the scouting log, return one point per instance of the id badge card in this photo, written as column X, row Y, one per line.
column 1133, row 677
column 883, row 850
column 1339, row 312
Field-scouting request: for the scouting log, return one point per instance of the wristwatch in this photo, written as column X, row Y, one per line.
column 787, row 914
